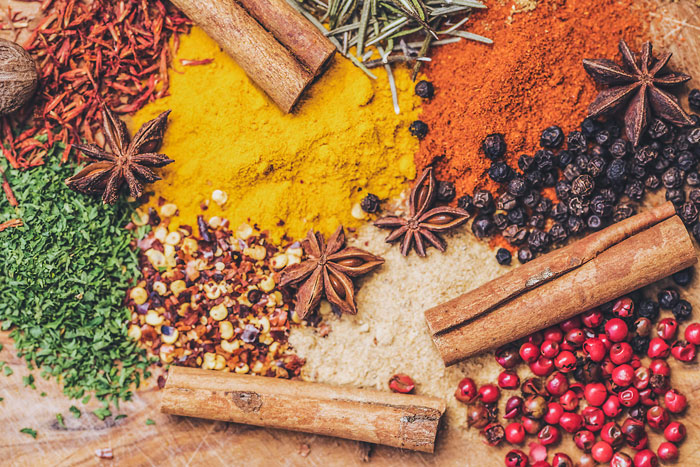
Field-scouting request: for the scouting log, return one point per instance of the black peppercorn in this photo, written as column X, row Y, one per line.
column 640, row 344
column 576, row 142
column 683, row 277
column 425, row 89
column 619, row 148
column 483, row 200
column 603, row 138
column 669, row 152
column 634, row 190
column 503, row 256
column 552, row 137
column 672, row 178
column 582, row 161
column 517, row 216
column 571, row 171
column 676, row 196
column 525, row 163
column 594, row 222
column 688, row 212
column 446, row 191
column 544, row 159
column 694, row 136
column 560, row 212
column 506, row 202
column 494, row 146
column 692, row 178
column 686, row 161
column 466, row 202
column 574, row 224
column 598, row 151
column 623, row 211
column 537, row 221
column 657, row 129
column 524, row 255
column 517, row 187
column 483, row 226
column 681, row 143
column 531, row 198
column 550, row 178
column 500, row 220
column 682, row 310
column 652, row 182
column 617, row 171
column 370, row 203
column 515, row 235
column 499, row 172
column 694, row 99
column 668, row 297
column 534, row 178
column 601, row 207
column 645, row 155
column 596, row 166
column 418, row 129
column 579, row 206
column 589, row 126
column 637, row 172
column 648, row 309
column 565, row 158
column 694, row 195
column 563, row 190
column 582, row 186
column 538, row 240
column 544, row 206
column 609, row 195
column 558, row 233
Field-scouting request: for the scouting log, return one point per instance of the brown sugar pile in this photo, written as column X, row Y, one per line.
column 529, row 79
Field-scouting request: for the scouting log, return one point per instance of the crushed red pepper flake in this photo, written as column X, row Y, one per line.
column 85, row 50
column 211, row 299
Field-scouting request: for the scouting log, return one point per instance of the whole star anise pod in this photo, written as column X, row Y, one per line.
column 327, row 272
column 424, row 222
column 639, row 84
column 126, row 160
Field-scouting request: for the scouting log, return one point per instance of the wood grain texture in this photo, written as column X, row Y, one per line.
column 267, row 62
column 179, row 441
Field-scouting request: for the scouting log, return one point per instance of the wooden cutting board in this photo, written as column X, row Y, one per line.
column 177, row 441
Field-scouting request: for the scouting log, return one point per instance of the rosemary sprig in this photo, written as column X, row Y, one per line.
column 398, row 31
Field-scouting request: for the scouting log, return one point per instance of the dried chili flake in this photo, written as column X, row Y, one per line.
column 193, row 306
column 89, row 53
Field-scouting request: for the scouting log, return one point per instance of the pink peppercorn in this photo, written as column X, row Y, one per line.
column 549, row 348
column 620, row 459
column 623, row 375
column 595, row 349
column 489, row 393
column 667, row 452
column 593, row 418
column 515, row 433
column 660, row 367
column 683, row 351
column 675, row 401
column 508, row 380
column 575, row 337
column 611, row 406
column 658, row 348
column 595, row 394
column 592, row 318
column 554, row 413
column 571, row 422
column 466, row 390
column 565, row 361
column 542, row 366
column 641, row 378
column 629, row 397
column 529, row 352
column 623, row 307
column 584, row 440
column 616, row 329
column 621, row 352
column 549, row 435
column 646, row 458
column 657, row 418
column 569, row 400
column 611, row 433
column 602, row 452
column 692, row 333
column 675, row 432
column 557, row 384
column 516, row 458
column 571, row 323
column 667, row 329
column 553, row 334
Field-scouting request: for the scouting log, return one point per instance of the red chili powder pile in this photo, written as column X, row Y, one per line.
column 529, row 79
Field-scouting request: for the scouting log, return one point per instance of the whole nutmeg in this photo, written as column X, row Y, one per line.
column 18, row 77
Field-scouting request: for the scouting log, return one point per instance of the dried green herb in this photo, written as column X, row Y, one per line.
column 75, row 411
column 60, row 420
column 8, row 371
column 63, row 280
column 150, row 422
column 28, row 381
column 28, row 431
column 399, row 31
column 102, row 413
column 119, row 417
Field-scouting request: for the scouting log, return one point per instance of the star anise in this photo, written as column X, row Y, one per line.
column 327, row 271
column 424, row 222
column 639, row 84
column 126, row 160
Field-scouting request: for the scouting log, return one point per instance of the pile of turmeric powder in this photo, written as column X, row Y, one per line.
column 249, row 162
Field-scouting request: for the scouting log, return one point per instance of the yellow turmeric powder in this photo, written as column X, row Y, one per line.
column 287, row 173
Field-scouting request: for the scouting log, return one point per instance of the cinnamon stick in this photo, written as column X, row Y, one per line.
column 398, row 420
column 603, row 266
column 265, row 60
column 294, row 31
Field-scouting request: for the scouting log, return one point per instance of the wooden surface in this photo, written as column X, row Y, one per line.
column 176, row 441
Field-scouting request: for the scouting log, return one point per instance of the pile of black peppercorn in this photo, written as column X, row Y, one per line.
column 598, row 178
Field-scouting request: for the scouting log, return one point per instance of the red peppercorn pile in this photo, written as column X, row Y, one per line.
column 600, row 378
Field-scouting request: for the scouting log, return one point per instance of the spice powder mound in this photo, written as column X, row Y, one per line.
column 529, row 79
column 212, row 300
